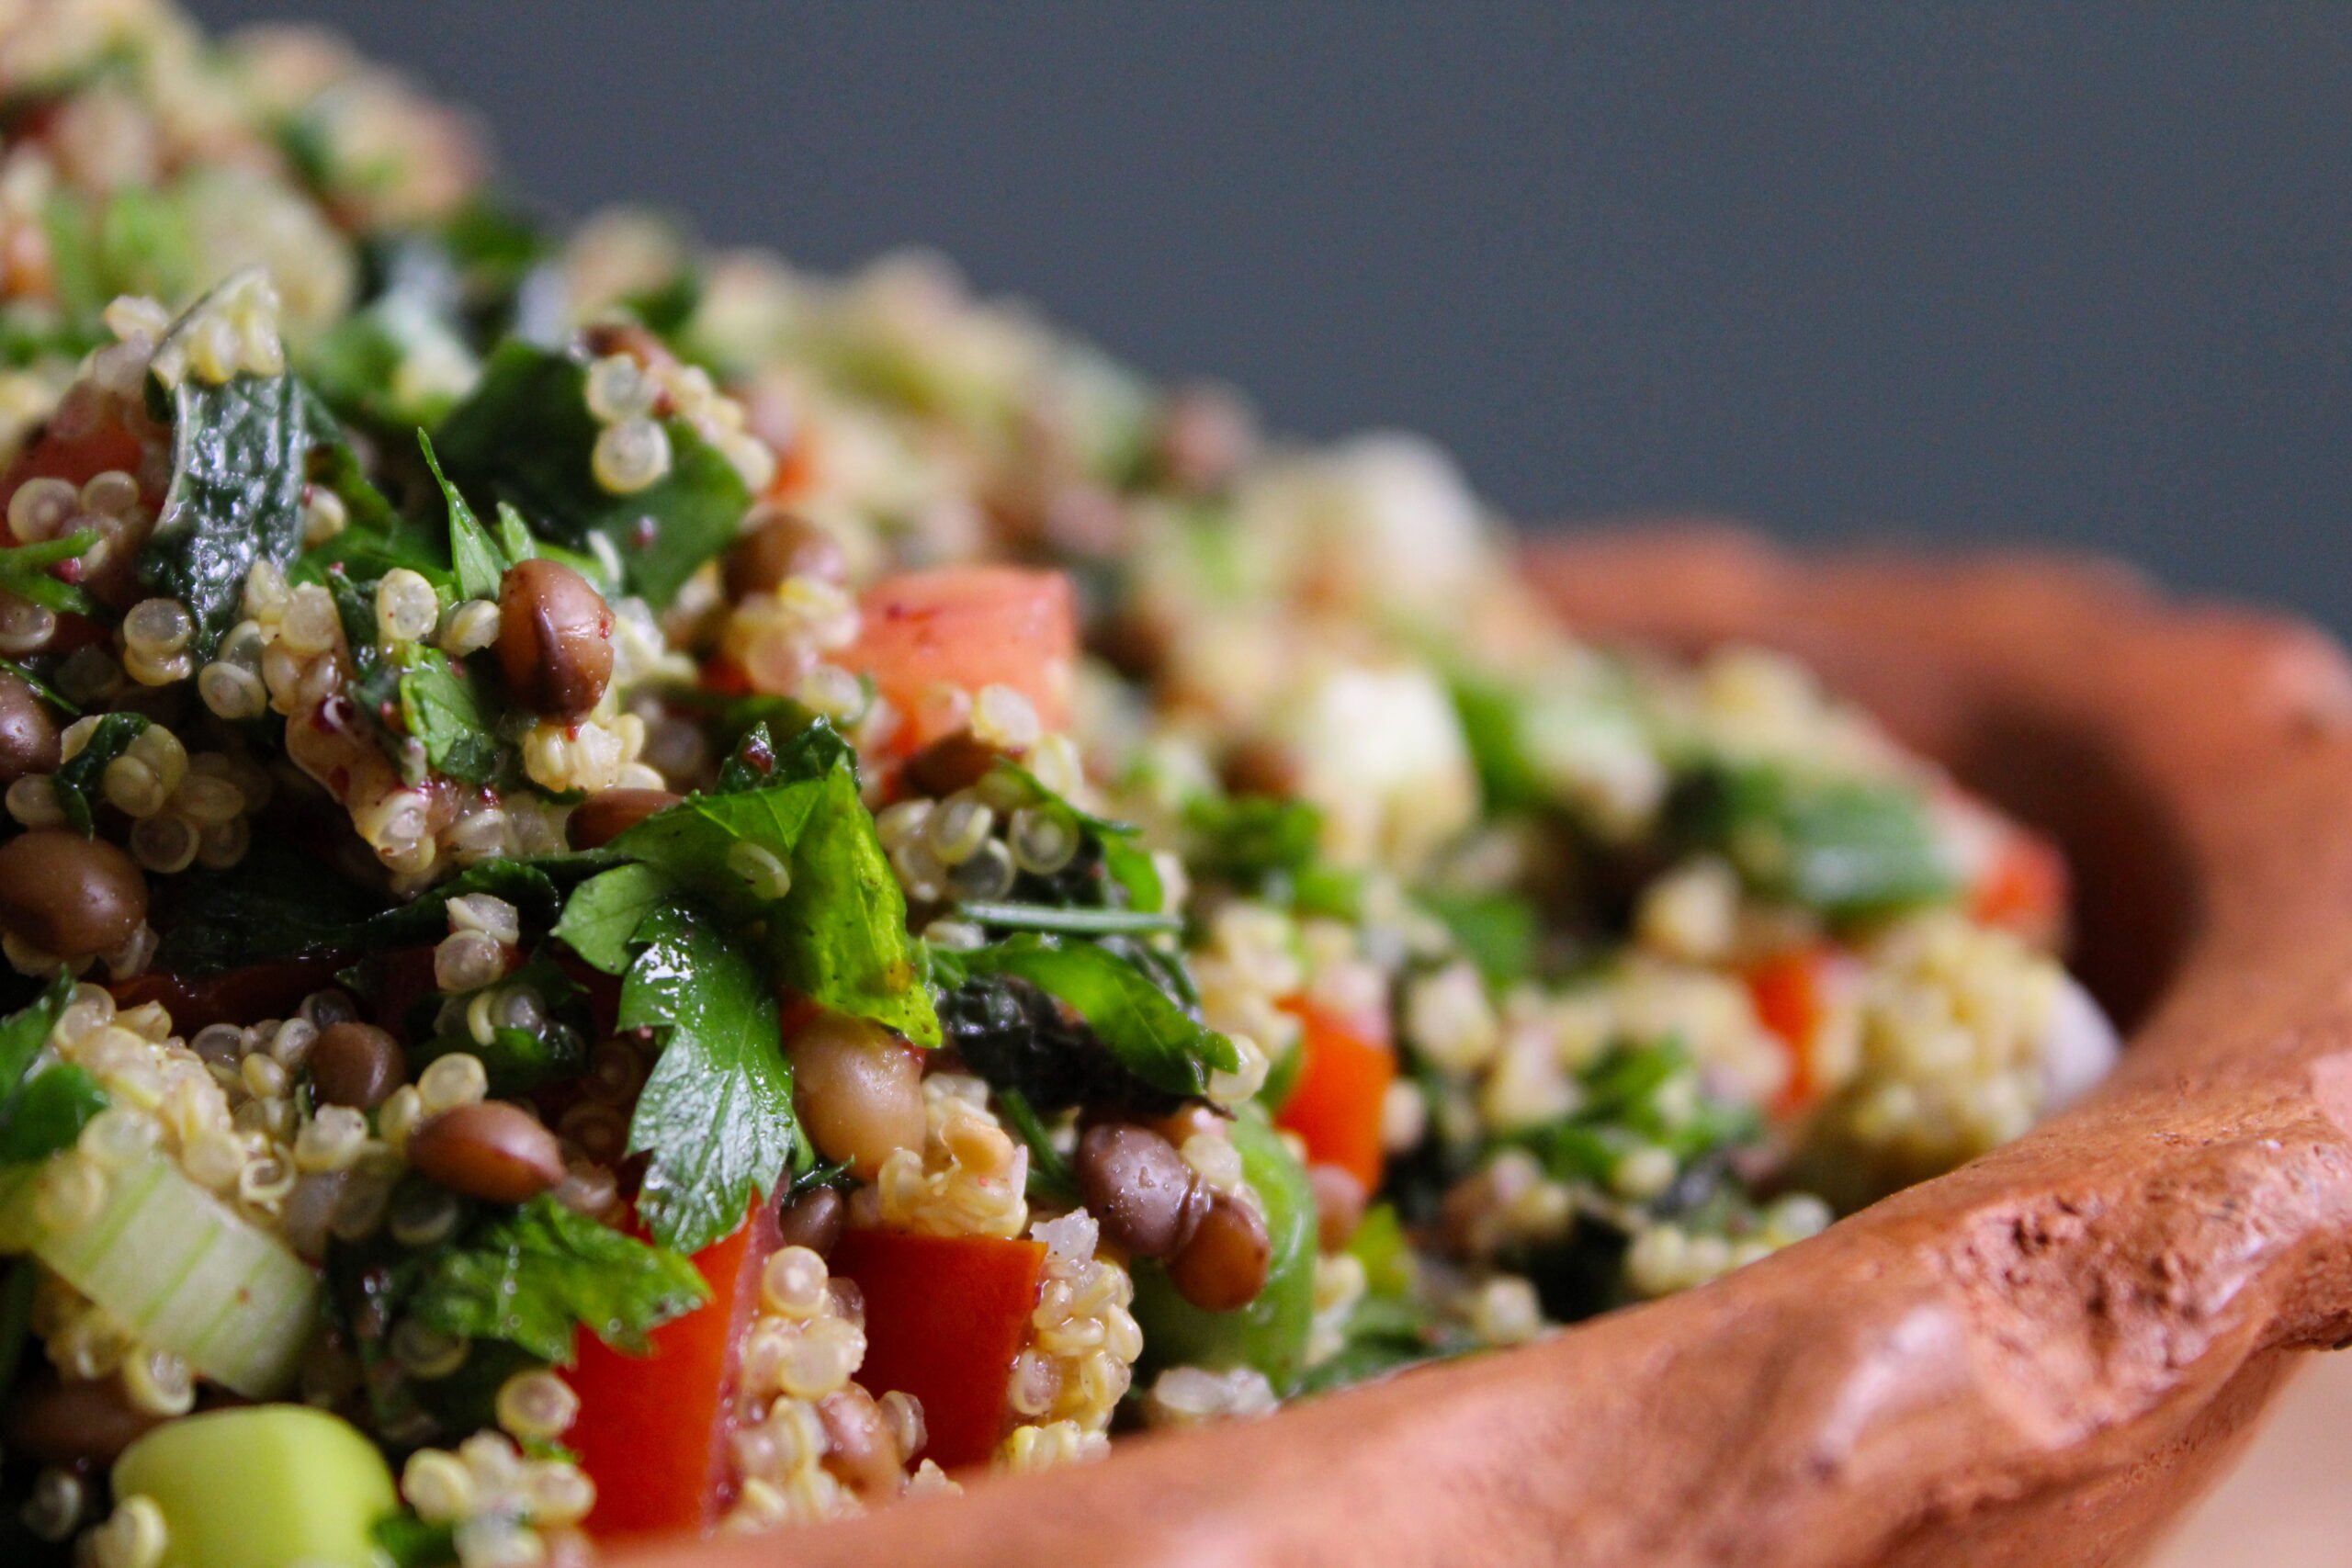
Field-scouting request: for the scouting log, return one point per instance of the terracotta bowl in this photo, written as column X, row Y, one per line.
column 2037, row 1360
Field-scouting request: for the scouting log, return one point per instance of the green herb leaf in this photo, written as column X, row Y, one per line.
column 602, row 916
column 240, row 458
column 1248, row 836
column 515, row 535
column 41, row 688
column 1849, row 848
column 839, row 935
column 278, row 902
column 1498, row 930
column 1151, row 1036
column 525, row 435
column 1003, row 916
column 1050, row 1177
column 715, row 1113
column 529, row 884
column 24, row 573
column 532, row 1276
column 477, row 558
column 79, row 780
column 43, row 1112
column 441, row 707
column 48, row 1114
column 409, row 1542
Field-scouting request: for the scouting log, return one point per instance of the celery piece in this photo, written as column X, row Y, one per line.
column 183, row 1272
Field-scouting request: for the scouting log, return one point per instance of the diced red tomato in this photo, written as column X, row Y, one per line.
column 239, row 996
column 652, row 1430
column 945, row 1317
column 1343, row 1080
column 2023, row 887
column 77, row 459
column 1793, row 993
column 968, row 627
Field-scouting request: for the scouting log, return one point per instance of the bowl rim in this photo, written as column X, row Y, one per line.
column 2037, row 1358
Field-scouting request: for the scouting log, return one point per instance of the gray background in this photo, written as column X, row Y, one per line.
column 2078, row 272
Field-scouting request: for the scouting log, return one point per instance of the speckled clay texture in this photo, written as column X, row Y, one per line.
column 2037, row 1360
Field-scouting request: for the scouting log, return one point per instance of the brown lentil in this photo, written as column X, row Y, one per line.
column 859, row 1090
column 813, row 1219
column 778, row 547
column 951, row 763
column 1224, row 1266
column 1138, row 1187
column 68, row 896
column 75, row 1422
column 607, row 814
column 490, row 1150
column 555, row 638
column 29, row 742
column 357, row 1065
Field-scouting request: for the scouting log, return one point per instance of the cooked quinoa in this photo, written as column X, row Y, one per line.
column 643, row 892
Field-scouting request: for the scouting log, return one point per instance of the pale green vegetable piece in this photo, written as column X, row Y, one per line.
column 261, row 1486
column 183, row 1270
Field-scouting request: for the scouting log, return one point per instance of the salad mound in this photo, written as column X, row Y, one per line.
column 644, row 893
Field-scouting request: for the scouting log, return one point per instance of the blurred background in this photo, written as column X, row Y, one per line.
column 2078, row 272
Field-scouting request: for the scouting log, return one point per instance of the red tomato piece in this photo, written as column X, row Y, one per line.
column 2024, row 887
column 77, row 459
column 238, row 995
column 652, row 1430
column 945, row 1317
column 968, row 627
column 1343, row 1081
column 1793, row 992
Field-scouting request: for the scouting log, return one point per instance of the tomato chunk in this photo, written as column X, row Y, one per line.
column 968, row 627
column 2023, row 887
column 236, row 995
column 77, row 459
column 1793, row 993
column 945, row 1317
column 1343, row 1081
column 652, row 1430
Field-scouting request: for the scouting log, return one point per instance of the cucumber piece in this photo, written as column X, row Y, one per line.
column 185, row 1272
column 265, row 1487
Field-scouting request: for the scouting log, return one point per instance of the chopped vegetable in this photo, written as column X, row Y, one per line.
column 182, row 1271
column 968, row 628
column 1793, row 993
column 265, row 1486
column 652, row 1425
column 945, row 1316
column 1336, row 1102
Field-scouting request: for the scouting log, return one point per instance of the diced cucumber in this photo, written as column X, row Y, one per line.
column 265, row 1487
column 185, row 1272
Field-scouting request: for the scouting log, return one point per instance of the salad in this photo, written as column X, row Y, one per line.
column 643, row 893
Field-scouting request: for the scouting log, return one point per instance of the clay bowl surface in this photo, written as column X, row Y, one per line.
column 2036, row 1360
